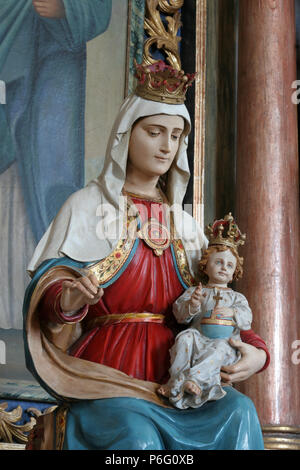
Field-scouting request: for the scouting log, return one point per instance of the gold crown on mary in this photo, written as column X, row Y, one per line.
column 225, row 232
column 161, row 82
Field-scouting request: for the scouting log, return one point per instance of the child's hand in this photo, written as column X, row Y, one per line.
column 197, row 298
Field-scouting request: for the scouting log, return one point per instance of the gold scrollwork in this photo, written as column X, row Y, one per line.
column 10, row 432
column 163, row 37
column 36, row 413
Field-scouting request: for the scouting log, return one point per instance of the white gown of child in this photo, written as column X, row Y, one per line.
column 198, row 358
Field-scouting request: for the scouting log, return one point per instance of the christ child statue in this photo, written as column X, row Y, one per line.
column 215, row 313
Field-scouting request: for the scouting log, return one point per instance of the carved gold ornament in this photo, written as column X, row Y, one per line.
column 163, row 36
column 155, row 235
column 10, row 432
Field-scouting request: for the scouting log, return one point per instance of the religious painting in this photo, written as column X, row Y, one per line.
column 65, row 68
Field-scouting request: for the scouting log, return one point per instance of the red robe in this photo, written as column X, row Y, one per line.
column 149, row 284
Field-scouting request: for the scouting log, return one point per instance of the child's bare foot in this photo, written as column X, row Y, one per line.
column 164, row 390
column 192, row 388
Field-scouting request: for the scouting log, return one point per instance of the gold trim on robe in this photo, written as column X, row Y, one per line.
column 107, row 268
column 182, row 262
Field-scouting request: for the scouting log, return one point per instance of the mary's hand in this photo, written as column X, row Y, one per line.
column 75, row 294
column 252, row 361
column 49, row 8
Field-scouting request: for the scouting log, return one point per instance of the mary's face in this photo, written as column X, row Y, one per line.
column 154, row 142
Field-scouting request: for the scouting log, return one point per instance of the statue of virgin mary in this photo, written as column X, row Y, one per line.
column 103, row 362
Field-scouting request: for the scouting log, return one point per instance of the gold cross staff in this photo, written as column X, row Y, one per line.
column 217, row 298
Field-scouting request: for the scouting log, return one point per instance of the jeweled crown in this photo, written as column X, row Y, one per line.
column 161, row 82
column 225, row 232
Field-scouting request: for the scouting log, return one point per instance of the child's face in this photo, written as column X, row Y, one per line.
column 220, row 267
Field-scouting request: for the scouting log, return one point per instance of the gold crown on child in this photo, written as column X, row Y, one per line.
column 161, row 82
column 225, row 232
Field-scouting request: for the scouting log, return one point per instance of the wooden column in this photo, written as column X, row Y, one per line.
column 267, row 203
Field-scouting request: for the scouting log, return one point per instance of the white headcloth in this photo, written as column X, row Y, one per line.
column 89, row 224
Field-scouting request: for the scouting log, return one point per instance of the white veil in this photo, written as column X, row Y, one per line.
column 89, row 224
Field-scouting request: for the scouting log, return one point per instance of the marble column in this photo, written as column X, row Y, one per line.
column 267, row 208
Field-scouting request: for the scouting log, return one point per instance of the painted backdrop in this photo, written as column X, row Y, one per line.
column 65, row 80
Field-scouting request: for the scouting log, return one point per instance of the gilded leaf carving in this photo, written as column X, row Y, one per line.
column 9, row 430
column 163, row 35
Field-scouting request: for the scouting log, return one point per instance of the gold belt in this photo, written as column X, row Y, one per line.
column 125, row 318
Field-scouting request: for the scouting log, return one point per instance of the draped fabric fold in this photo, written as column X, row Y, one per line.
column 46, row 349
column 221, row 425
